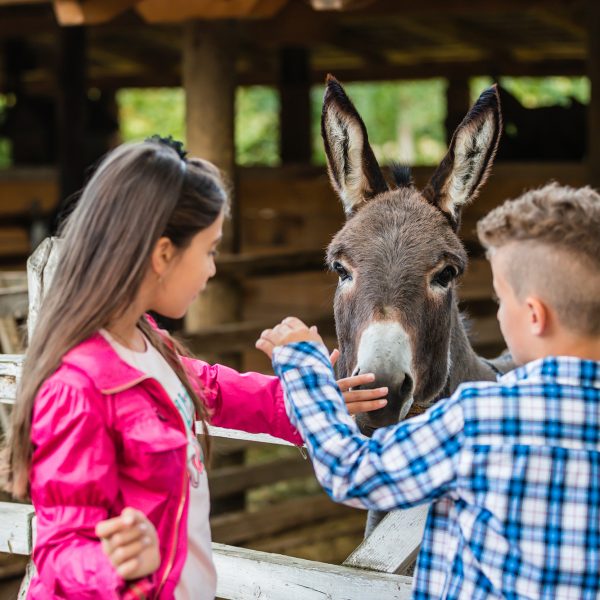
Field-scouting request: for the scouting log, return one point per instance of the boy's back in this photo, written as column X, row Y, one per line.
column 521, row 518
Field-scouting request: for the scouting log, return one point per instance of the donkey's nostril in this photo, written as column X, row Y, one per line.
column 356, row 372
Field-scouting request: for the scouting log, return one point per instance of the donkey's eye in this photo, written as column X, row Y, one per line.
column 342, row 272
column 445, row 276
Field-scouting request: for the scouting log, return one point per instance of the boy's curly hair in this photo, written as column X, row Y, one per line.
column 560, row 257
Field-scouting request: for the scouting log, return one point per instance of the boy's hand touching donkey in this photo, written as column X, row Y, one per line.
column 292, row 329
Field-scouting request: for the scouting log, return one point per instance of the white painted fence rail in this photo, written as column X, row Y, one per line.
column 369, row 572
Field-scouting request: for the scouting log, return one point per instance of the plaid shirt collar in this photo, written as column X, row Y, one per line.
column 563, row 370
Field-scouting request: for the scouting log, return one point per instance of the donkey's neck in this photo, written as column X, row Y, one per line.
column 464, row 363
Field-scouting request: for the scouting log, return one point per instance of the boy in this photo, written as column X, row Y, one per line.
column 512, row 468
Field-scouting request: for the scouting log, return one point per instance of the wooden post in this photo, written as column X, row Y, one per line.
column 458, row 102
column 294, row 116
column 71, row 113
column 209, row 81
column 593, row 139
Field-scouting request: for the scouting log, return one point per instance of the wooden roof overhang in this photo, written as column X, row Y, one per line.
column 137, row 43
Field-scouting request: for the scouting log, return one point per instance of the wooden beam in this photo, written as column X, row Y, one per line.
column 89, row 12
column 458, row 102
column 593, row 137
column 15, row 528
column 339, row 4
column 159, row 11
column 394, row 543
column 240, row 336
column 229, row 480
column 72, row 117
column 270, row 264
column 246, row 573
column 295, row 108
column 242, row 527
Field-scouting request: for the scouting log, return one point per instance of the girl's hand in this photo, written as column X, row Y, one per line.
column 289, row 330
column 131, row 543
column 358, row 401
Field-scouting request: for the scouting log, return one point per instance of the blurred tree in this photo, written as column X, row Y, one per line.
column 5, row 146
column 144, row 112
column 405, row 120
column 534, row 92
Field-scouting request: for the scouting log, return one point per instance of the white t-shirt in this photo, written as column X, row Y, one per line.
column 199, row 578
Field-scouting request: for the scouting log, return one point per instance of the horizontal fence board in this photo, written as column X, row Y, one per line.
column 15, row 527
column 243, row 526
column 394, row 543
column 10, row 369
column 229, row 480
column 244, row 574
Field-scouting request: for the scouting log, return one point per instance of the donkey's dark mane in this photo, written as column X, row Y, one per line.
column 402, row 175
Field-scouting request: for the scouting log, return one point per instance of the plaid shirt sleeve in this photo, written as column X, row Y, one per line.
column 399, row 466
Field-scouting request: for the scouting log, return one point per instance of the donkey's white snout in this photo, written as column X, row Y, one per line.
column 384, row 347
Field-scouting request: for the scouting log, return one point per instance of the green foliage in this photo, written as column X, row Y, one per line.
column 144, row 112
column 5, row 145
column 257, row 126
column 533, row 92
column 405, row 120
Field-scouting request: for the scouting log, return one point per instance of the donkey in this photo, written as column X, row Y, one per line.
column 398, row 258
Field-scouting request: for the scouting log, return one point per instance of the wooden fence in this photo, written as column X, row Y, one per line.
column 369, row 571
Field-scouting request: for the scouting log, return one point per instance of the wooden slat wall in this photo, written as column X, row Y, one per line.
column 294, row 208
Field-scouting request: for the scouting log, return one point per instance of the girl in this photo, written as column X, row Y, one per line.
column 103, row 433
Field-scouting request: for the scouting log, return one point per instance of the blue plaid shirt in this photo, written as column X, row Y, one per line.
column 512, row 469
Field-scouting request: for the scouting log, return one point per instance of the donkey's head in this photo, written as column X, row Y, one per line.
column 398, row 256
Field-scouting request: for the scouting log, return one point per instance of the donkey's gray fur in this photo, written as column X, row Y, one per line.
column 399, row 257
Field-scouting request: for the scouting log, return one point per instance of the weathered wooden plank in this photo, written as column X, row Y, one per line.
column 240, row 336
column 41, row 266
column 10, row 369
column 229, row 480
column 394, row 543
column 243, row 435
column 15, row 528
column 243, row 526
column 246, row 574
column 13, row 302
column 270, row 263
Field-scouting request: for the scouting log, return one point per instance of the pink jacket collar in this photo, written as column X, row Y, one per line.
column 98, row 360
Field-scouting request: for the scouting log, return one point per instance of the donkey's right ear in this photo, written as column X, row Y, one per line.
column 353, row 169
column 468, row 162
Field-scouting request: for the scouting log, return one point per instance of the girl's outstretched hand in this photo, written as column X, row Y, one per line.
column 358, row 401
column 291, row 330
column 131, row 543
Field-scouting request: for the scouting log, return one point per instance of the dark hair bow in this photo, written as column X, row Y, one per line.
column 170, row 142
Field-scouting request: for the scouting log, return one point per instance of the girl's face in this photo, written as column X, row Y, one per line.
column 183, row 274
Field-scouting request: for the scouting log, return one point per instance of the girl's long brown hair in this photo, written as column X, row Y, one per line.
column 140, row 193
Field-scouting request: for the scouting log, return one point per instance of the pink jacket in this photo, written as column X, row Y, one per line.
column 107, row 436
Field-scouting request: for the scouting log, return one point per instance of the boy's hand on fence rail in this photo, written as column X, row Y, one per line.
column 131, row 543
column 291, row 330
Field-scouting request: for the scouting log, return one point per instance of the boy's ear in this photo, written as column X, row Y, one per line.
column 538, row 316
column 162, row 256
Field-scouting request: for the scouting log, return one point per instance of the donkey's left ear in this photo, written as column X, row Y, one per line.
column 468, row 162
